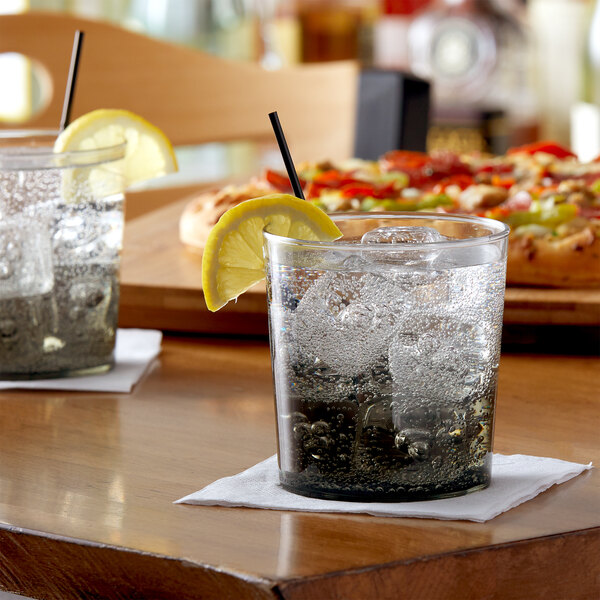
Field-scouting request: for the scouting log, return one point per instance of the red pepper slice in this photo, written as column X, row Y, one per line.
column 446, row 163
column 278, row 181
column 546, row 146
column 313, row 190
column 362, row 189
column 462, row 180
column 398, row 160
column 358, row 190
column 333, row 178
column 424, row 170
column 498, row 168
column 503, row 182
column 590, row 212
column 417, row 165
column 498, row 212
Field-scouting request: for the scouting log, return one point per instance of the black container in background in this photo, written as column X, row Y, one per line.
column 393, row 113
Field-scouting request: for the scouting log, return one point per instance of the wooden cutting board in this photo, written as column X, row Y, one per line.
column 161, row 288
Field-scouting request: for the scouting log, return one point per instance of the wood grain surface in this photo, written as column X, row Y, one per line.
column 161, row 286
column 87, row 482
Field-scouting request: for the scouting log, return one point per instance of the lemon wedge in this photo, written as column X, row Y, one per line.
column 233, row 260
column 148, row 153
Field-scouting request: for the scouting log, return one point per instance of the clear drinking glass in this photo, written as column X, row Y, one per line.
column 61, row 229
column 385, row 355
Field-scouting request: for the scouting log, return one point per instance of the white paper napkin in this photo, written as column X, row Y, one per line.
column 515, row 479
column 134, row 350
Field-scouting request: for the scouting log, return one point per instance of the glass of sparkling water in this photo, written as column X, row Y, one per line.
column 385, row 347
column 61, row 230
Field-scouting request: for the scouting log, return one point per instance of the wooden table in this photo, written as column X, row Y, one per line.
column 87, row 482
column 161, row 283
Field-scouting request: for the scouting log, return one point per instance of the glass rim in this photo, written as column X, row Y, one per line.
column 42, row 157
column 499, row 229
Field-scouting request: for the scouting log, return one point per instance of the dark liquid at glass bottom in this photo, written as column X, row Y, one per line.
column 379, row 451
column 472, row 480
column 69, row 331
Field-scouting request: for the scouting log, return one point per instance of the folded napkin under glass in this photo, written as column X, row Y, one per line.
column 134, row 351
column 515, row 479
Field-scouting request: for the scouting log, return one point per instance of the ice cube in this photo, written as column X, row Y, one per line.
column 400, row 241
column 87, row 233
column 346, row 319
column 403, row 235
column 438, row 361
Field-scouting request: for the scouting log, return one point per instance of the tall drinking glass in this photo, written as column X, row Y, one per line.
column 61, row 229
column 385, row 347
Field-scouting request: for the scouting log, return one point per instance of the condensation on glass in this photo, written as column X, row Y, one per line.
column 61, row 229
column 385, row 348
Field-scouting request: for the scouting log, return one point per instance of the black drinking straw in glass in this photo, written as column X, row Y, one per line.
column 70, row 91
column 287, row 157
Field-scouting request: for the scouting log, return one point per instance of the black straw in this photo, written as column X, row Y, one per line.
column 287, row 157
column 70, row 91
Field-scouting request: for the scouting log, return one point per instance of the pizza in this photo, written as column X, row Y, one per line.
column 549, row 198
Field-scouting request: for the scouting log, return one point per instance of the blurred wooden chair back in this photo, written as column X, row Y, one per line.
column 194, row 97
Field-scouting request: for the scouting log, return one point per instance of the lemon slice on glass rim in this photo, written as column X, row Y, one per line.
column 232, row 260
column 148, row 151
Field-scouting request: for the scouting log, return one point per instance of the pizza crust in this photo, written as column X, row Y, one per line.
column 196, row 222
column 202, row 212
column 569, row 262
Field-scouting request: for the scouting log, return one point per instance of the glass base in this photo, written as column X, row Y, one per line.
column 297, row 484
column 97, row 370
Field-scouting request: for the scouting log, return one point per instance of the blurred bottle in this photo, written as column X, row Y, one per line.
column 278, row 33
column 225, row 28
column 591, row 73
column 559, row 28
column 390, row 47
column 476, row 54
column 585, row 114
column 336, row 29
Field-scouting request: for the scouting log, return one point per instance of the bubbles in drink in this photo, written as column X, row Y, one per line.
column 385, row 377
column 25, row 259
column 59, row 259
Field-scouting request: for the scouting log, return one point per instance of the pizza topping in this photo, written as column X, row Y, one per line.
column 576, row 192
column 482, row 196
column 571, row 227
column 580, row 240
column 549, row 216
column 520, row 201
column 278, row 181
column 533, row 230
column 590, row 212
column 503, row 181
column 411, row 192
column 398, row 180
column 460, row 181
column 424, row 170
column 545, row 147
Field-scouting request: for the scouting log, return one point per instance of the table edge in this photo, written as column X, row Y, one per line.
column 451, row 565
column 37, row 553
